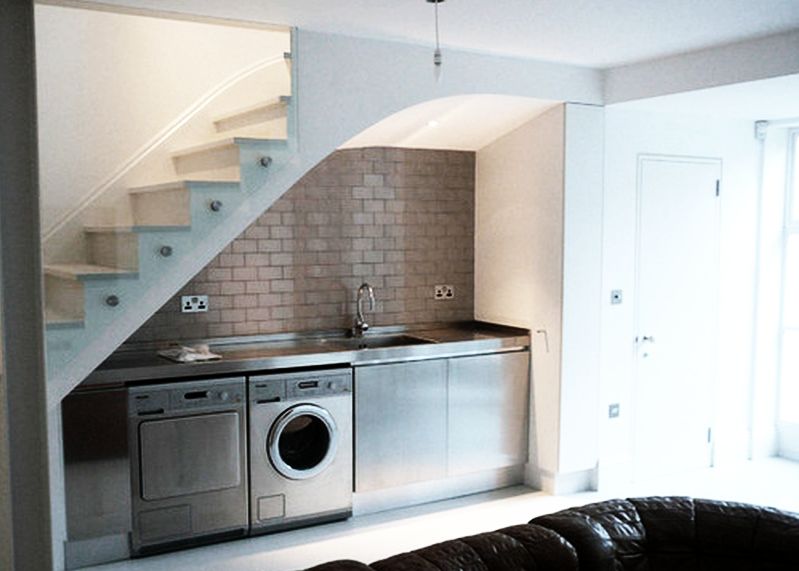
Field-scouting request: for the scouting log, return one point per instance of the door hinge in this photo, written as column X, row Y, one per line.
column 718, row 187
column 709, row 435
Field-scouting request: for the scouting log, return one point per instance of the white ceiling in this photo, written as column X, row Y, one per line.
column 464, row 123
column 594, row 33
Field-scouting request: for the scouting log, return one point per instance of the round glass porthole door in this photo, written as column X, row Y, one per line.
column 302, row 441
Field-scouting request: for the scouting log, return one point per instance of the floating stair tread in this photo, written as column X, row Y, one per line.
column 136, row 228
column 182, row 184
column 280, row 101
column 55, row 320
column 222, row 144
column 86, row 271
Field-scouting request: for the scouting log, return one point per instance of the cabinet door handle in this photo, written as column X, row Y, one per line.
column 546, row 338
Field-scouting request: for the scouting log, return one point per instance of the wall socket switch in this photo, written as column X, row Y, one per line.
column 441, row 292
column 614, row 410
column 615, row 297
column 193, row 303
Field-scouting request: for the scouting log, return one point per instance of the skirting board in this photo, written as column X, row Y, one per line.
column 424, row 492
column 561, row 484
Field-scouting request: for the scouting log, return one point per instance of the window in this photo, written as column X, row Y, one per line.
column 789, row 326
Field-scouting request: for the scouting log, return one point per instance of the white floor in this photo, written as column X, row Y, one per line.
column 771, row 482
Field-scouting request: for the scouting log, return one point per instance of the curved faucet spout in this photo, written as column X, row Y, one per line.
column 360, row 326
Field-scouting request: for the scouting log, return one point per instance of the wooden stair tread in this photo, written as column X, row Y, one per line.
column 55, row 319
column 279, row 101
column 220, row 144
column 182, row 184
column 135, row 228
column 81, row 271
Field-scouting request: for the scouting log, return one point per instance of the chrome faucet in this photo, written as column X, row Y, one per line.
column 360, row 326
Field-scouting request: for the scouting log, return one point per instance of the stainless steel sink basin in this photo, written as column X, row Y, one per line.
column 384, row 341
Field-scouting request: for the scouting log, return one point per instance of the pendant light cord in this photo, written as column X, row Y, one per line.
column 438, row 47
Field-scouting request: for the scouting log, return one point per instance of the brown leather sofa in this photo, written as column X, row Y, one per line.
column 638, row 534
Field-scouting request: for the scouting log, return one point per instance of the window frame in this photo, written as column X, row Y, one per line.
column 790, row 227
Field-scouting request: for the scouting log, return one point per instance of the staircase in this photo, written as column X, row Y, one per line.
column 177, row 226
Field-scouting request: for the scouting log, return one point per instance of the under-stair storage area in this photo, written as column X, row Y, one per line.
column 184, row 143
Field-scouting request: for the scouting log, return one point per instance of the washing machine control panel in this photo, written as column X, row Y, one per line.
column 316, row 386
column 275, row 388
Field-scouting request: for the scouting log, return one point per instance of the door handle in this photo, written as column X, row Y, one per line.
column 649, row 340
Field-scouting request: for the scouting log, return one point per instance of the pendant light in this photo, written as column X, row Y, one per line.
column 437, row 52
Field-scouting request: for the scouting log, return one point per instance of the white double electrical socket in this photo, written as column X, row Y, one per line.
column 441, row 292
column 193, row 303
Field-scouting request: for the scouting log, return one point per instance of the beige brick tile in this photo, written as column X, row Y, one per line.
column 373, row 180
column 232, row 315
column 282, row 259
column 269, row 300
column 232, row 288
column 403, row 219
column 245, row 328
column 269, row 273
column 220, row 274
column 279, row 286
column 245, row 301
column 220, row 329
column 259, row 314
column 244, row 274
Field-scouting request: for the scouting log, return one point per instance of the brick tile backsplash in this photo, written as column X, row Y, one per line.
column 400, row 219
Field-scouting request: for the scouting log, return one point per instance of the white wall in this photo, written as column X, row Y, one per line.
column 108, row 83
column 519, row 260
column 348, row 84
column 629, row 133
column 582, row 284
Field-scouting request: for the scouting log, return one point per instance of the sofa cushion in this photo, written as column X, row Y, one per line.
column 518, row 548
column 666, row 533
column 639, row 534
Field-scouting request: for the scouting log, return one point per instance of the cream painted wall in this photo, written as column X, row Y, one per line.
column 629, row 133
column 108, row 83
column 519, row 261
column 538, row 265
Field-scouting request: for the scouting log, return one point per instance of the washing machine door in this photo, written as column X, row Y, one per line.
column 302, row 442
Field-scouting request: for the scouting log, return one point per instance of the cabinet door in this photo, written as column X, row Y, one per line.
column 400, row 424
column 488, row 412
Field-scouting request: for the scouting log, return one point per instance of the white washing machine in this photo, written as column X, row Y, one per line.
column 300, row 448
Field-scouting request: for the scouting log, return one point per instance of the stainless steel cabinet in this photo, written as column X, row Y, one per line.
column 428, row 420
column 488, row 410
column 400, row 424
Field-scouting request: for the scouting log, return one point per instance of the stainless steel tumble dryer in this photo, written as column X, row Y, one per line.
column 188, row 463
column 300, row 448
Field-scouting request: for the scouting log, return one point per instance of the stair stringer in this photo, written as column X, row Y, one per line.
column 74, row 352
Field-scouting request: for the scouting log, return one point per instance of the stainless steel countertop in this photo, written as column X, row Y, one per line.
column 139, row 363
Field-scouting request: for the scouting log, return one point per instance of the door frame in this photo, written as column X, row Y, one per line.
column 641, row 160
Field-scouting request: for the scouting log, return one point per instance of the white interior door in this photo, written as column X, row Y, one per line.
column 676, row 313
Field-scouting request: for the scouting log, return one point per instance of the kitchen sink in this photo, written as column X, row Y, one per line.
column 383, row 341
